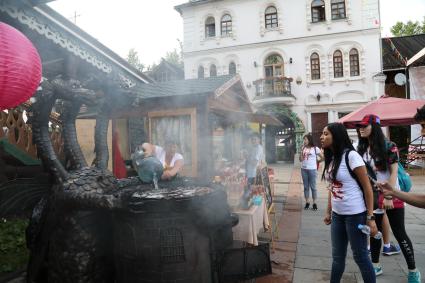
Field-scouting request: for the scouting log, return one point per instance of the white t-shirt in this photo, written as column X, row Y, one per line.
column 309, row 158
column 381, row 176
column 347, row 196
column 160, row 154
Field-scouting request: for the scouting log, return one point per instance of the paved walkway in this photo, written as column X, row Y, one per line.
column 303, row 250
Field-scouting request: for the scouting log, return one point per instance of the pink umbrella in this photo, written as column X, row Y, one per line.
column 392, row 111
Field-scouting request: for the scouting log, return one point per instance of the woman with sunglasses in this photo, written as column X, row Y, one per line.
column 350, row 202
column 382, row 155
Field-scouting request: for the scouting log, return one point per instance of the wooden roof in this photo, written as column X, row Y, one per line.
column 407, row 47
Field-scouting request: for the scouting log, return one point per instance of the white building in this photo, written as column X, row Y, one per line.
column 308, row 62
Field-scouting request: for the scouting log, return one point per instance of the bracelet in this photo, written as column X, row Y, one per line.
column 388, row 197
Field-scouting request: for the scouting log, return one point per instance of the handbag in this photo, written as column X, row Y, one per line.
column 403, row 178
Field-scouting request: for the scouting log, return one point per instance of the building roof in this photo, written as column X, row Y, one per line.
column 407, row 46
column 192, row 3
column 183, row 87
column 165, row 65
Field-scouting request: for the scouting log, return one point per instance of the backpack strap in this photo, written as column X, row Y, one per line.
column 347, row 164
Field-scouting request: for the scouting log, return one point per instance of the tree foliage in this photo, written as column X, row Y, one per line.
column 176, row 56
column 408, row 28
column 133, row 59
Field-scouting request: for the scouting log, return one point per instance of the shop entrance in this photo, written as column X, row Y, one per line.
column 280, row 142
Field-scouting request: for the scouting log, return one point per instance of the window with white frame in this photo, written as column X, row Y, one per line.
column 271, row 20
column 200, row 72
column 338, row 9
column 213, row 71
column 315, row 66
column 232, row 68
column 210, row 27
column 338, row 64
column 226, row 25
column 354, row 63
column 318, row 11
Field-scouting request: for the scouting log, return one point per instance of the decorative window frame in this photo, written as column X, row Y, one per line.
column 345, row 48
column 227, row 60
column 262, row 15
column 197, row 71
column 272, row 51
column 233, row 15
column 322, row 57
column 328, row 13
column 202, row 28
column 209, row 69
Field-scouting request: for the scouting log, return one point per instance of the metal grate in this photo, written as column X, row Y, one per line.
column 171, row 246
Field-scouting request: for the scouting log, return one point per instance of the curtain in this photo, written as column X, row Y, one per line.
column 175, row 127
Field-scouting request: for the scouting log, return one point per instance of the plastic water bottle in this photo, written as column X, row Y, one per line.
column 366, row 229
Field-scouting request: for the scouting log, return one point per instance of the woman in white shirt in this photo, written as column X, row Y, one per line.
column 171, row 160
column 309, row 158
column 350, row 202
column 382, row 155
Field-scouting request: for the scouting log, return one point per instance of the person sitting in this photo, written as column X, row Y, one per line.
column 171, row 160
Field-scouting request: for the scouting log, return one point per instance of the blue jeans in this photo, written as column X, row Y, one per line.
column 309, row 181
column 343, row 230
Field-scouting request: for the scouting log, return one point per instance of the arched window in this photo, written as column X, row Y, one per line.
column 213, row 71
column 315, row 66
column 318, row 11
column 210, row 27
column 200, row 72
column 338, row 9
column 226, row 25
column 273, row 66
column 354, row 63
column 338, row 65
column 232, row 68
column 271, row 17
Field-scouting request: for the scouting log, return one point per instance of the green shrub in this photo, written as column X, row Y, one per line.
column 13, row 250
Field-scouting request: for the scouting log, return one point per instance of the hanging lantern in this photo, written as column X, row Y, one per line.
column 20, row 67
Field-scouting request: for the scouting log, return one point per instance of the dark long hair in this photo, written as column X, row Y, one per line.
column 340, row 143
column 309, row 137
column 377, row 144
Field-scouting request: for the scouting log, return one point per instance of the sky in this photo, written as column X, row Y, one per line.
column 153, row 27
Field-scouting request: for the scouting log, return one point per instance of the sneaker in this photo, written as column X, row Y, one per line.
column 314, row 206
column 392, row 250
column 307, row 205
column 378, row 270
column 414, row 277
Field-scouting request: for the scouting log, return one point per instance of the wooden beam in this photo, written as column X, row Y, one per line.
column 417, row 56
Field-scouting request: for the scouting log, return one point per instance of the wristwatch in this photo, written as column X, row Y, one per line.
column 370, row 217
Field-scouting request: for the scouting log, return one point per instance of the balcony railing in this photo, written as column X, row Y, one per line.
column 273, row 87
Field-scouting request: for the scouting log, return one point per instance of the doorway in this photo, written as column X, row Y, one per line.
column 318, row 122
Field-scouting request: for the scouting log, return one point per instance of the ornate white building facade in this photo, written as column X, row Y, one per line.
column 314, row 60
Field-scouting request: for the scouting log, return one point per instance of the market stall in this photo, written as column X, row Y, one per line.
column 210, row 119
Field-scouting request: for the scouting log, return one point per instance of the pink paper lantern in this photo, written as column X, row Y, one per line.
column 20, row 67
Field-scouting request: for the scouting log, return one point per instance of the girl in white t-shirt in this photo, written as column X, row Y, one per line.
column 348, row 204
column 309, row 157
column 383, row 157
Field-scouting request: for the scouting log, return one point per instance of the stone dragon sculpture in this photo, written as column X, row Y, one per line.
column 69, row 235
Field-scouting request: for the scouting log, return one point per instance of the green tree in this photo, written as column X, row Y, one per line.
column 133, row 59
column 176, row 56
column 408, row 28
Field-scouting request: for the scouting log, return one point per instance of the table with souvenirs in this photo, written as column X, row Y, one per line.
column 251, row 205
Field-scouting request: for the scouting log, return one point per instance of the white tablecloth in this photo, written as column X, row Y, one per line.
column 250, row 223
